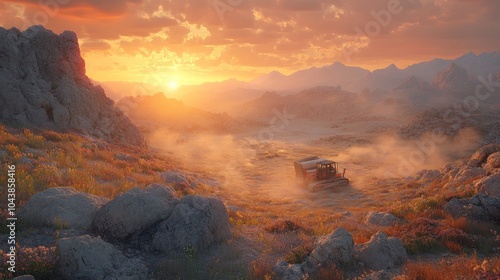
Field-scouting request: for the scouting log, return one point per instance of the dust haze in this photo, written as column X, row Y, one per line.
column 251, row 168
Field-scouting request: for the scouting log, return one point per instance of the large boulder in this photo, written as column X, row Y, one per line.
column 479, row 207
column 381, row 219
column 336, row 248
column 64, row 207
column 134, row 211
column 196, row 221
column 481, row 155
column 381, row 252
column 43, row 84
column 489, row 185
column 86, row 257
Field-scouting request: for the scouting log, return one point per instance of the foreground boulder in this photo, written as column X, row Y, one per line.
column 381, row 252
column 86, row 257
column 43, row 84
column 61, row 207
column 134, row 211
column 478, row 207
column 196, row 222
column 336, row 248
column 381, row 219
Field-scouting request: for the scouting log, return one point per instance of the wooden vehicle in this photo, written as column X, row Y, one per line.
column 319, row 174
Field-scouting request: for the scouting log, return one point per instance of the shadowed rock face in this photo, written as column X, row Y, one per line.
column 43, row 84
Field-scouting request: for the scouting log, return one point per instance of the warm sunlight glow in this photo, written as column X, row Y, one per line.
column 173, row 85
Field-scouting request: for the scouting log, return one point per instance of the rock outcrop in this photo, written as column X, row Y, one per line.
column 479, row 207
column 489, row 185
column 85, row 257
column 61, row 207
column 196, row 221
column 134, row 211
column 381, row 252
column 43, row 85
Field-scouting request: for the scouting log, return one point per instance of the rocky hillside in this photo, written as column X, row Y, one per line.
column 43, row 85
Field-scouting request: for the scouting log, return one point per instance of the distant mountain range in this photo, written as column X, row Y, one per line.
column 357, row 79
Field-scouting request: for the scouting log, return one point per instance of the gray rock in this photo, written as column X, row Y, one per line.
column 289, row 271
column 196, row 221
column 134, row 211
column 479, row 207
column 381, row 252
column 43, row 84
column 174, row 178
column 381, row 219
column 489, row 185
column 336, row 248
column 86, row 257
column 61, row 207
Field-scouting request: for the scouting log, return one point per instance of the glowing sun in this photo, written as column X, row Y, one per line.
column 173, row 85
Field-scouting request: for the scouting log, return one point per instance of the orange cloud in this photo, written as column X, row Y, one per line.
column 222, row 38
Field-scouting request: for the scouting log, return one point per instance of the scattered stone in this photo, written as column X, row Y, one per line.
column 61, row 207
column 134, row 211
column 489, row 185
column 381, row 252
column 336, row 248
column 478, row 207
column 381, row 219
column 85, row 257
column 196, row 222
column 174, row 178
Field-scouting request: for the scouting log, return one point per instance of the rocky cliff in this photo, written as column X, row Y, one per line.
column 43, row 85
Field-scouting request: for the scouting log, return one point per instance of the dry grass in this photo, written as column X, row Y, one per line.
column 460, row 268
column 46, row 159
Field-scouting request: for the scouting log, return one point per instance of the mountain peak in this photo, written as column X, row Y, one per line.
column 453, row 77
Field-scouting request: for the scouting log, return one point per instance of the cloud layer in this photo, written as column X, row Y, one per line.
column 216, row 39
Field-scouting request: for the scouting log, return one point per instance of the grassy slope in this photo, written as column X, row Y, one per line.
column 47, row 159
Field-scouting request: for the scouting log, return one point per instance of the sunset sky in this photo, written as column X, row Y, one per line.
column 195, row 41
